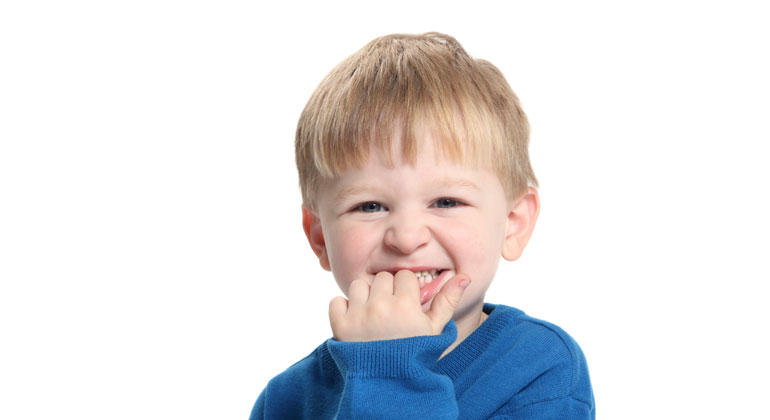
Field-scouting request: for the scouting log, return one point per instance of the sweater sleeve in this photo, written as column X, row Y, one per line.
column 394, row 379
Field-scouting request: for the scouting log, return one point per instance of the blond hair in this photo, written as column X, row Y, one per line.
column 399, row 86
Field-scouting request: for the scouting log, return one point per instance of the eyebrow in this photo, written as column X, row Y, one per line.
column 449, row 182
column 444, row 182
column 353, row 190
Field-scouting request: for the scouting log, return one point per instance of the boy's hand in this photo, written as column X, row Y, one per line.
column 390, row 308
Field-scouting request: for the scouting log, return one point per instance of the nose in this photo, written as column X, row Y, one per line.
column 406, row 234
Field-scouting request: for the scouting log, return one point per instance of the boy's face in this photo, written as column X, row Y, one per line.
column 434, row 215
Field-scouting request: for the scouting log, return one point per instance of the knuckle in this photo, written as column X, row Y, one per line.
column 383, row 275
column 337, row 303
column 379, row 309
column 446, row 300
column 358, row 285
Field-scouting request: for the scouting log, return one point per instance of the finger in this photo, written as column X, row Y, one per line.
column 382, row 285
column 446, row 300
column 338, row 307
column 358, row 294
column 406, row 284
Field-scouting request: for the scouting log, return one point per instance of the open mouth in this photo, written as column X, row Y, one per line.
column 431, row 284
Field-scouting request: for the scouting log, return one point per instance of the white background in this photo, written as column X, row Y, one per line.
column 151, row 255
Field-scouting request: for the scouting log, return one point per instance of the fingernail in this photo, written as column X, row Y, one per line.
column 465, row 283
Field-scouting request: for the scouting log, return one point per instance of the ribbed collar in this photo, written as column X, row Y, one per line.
column 500, row 319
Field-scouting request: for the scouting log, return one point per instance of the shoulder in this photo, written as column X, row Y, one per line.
column 549, row 363
column 549, row 340
column 513, row 326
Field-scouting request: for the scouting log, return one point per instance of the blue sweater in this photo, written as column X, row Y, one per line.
column 512, row 367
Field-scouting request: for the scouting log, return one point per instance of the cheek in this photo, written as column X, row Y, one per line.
column 476, row 244
column 465, row 239
column 349, row 250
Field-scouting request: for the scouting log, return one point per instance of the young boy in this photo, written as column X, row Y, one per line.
column 415, row 179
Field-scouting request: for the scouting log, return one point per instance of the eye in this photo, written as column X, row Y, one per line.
column 370, row 207
column 446, row 203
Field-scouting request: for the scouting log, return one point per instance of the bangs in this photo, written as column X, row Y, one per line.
column 398, row 133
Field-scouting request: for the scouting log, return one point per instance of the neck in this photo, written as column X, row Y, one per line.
column 467, row 324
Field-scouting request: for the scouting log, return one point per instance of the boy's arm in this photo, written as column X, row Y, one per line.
column 392, row 379
column 562, row 408
column 364, row 380
column 385, row 347
column 383, row 352
column 258, row 412
column 553, row 381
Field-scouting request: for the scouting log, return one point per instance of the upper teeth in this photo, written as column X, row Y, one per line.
column 425, row 273
column 425, row 277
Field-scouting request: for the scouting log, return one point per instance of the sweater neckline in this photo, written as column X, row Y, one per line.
column 500, row 317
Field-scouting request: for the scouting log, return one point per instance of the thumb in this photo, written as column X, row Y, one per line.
column 444, row 303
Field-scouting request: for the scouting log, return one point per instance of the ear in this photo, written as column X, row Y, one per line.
column 311, row 224
column 522, row 216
